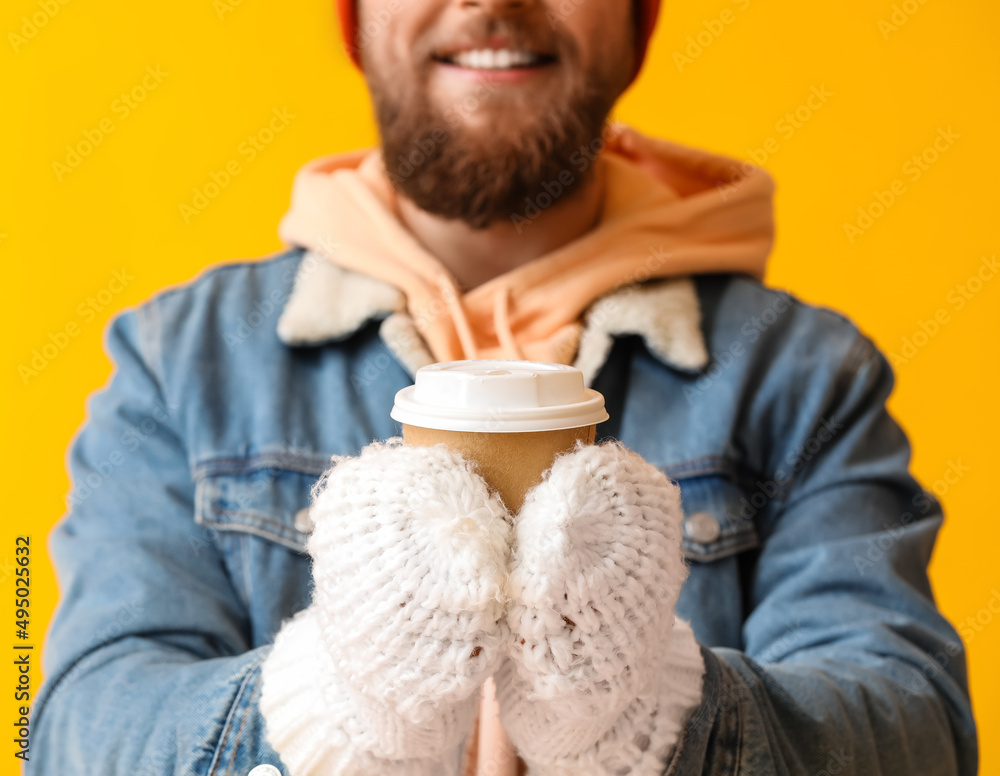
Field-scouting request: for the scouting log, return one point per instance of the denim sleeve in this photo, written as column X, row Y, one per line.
column 848, row 667
column 148, row 665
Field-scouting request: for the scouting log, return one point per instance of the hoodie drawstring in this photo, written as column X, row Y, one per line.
column 451, row 297
column 501, row 322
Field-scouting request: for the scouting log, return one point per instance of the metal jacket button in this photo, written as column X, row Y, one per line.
column 303, row 520
column 265, row 770
column 702, row 527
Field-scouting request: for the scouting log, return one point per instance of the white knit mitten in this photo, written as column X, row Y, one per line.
column 381, row 673
column 601, row 676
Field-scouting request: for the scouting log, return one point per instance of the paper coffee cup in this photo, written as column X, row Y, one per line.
column 511, row 417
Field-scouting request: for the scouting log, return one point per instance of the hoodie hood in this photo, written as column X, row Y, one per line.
column 668, row 211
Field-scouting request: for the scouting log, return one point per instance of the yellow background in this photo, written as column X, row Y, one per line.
column 228, row 64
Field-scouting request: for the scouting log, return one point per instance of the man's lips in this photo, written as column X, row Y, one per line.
column 500, row 66
column 494, row 43
column 505, row 75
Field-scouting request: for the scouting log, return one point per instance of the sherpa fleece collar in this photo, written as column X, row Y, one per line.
column 330, row 303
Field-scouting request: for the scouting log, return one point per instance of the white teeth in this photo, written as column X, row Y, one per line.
column 494, row 59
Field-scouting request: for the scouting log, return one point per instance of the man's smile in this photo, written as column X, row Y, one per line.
column 497, row 59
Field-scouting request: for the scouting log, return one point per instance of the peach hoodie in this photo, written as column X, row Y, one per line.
column 668, row 210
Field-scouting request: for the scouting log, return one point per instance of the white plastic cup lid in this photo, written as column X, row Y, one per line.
column 498, row 396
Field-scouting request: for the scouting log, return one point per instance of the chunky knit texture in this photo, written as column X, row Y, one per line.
column 601, row 675
column 413, row 609
column 382, row 672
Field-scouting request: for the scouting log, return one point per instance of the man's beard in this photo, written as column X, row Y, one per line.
column 481, row 176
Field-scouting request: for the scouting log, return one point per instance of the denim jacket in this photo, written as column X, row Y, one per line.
column 808, row 540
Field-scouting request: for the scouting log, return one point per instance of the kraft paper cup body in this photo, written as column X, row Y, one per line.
column 511, row 417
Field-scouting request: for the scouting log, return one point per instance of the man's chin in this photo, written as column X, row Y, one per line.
column 488, row 136
column 485, row 103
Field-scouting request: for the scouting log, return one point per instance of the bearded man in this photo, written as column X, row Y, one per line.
column 256, row 573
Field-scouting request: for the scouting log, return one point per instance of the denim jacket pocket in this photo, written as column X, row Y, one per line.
column 266, row 495
column 255, row 510
column 716, row 523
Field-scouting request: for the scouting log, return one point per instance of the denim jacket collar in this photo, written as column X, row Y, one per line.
column 330, row 303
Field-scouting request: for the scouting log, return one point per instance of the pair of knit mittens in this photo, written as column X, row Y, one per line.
column 426, row 585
